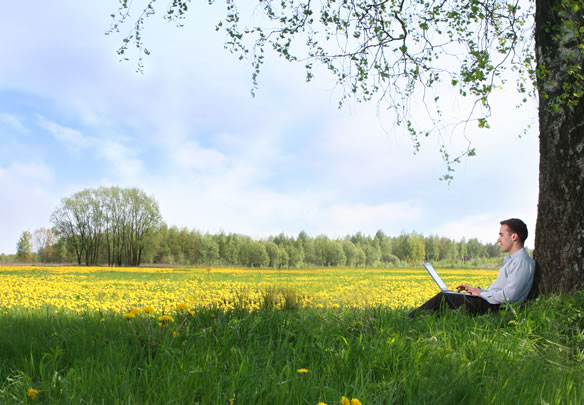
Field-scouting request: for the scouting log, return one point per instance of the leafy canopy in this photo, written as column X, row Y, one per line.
column 401, row 52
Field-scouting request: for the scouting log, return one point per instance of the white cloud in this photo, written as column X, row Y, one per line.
column 120, row 157
column 115, row 153
column 350, row 218
column 361, row 213
column 27, row 200
column 220, row 203
column 484, row 227
column 73, row 139
column 32, row 173
column 236, row 201
column 14, row 122
column 189, row 155
column 356, row 151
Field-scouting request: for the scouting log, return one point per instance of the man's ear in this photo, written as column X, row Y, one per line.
column 514, row 237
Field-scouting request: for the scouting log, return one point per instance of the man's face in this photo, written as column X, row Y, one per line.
column 505, row 238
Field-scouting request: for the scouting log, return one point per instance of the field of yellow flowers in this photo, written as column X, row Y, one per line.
column 81, row 289
column 73, row 335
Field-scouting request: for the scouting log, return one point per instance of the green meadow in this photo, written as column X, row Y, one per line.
column 530, row 354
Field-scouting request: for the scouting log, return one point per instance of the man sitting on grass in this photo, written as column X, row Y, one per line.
column 512, row 284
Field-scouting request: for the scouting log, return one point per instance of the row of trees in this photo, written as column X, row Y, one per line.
column 181, row 246
column 116, row 226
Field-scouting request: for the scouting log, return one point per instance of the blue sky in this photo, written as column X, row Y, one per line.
column 188, row 132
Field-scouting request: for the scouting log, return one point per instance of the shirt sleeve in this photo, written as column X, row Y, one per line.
column 519, row 277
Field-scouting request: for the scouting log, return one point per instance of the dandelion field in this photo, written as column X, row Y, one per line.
column 82, row 289
column 236, row 336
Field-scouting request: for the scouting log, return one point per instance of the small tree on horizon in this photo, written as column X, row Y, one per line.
column 24, row 247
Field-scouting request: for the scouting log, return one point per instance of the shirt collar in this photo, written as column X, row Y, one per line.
column 520, row 252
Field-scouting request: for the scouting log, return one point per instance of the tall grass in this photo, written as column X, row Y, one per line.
column 523, row 355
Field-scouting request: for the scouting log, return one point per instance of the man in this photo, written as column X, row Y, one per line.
column 512, row 284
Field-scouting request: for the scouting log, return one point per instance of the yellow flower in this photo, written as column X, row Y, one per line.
column 174, row 334
column 129, row 315
column 302, row 371
column 182, row 307
column 345, row 401
column 148, row 310
column 166, row 318
column 135, row 311
column 102, row 320
column 31, row 393
column 321, row 403
column 355, row 401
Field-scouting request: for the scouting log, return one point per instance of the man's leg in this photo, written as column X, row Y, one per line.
column 474, row 305
column 433, row 304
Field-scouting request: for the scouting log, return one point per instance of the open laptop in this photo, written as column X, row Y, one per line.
column 439, row 281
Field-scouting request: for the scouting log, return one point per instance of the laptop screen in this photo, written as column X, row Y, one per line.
column 435, row 276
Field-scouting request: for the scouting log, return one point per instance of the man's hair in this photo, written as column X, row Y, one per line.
column 516, row 226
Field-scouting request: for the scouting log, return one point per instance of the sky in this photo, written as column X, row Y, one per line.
column 188, row 132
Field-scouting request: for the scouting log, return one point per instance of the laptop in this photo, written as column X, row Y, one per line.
column 439, row 281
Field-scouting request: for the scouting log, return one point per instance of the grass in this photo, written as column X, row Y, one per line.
column 532, row 354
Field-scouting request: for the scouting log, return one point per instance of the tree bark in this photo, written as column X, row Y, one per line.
column 559, row 243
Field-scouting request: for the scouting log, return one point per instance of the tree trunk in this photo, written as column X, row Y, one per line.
column 559, row 243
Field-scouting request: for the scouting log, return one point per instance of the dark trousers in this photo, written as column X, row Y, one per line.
column 474, row 305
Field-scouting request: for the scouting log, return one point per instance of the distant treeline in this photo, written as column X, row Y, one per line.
column 174, row 246
column 118, row 227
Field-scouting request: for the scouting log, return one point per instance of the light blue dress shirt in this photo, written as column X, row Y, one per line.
column 514, row 280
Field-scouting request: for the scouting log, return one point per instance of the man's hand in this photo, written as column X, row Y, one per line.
column 471, row 290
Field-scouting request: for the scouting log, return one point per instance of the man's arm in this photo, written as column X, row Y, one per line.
column 516, row 286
